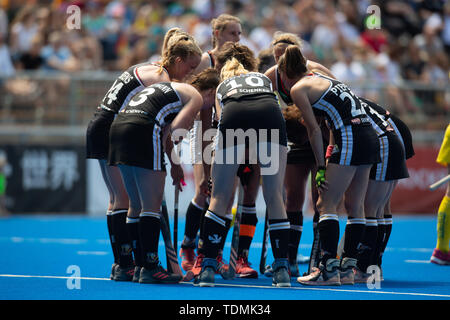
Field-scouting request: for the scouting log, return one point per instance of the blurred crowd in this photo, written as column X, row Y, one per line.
column 408, row 40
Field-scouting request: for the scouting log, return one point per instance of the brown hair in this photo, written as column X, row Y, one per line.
column 292, row 62
column 285, row 38
column 220, row 23
column 241, row 53
column 265, row 60
column 207, row 79
column 178, row 43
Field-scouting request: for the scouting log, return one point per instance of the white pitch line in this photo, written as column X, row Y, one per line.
column 246, row 286
column 417, row 261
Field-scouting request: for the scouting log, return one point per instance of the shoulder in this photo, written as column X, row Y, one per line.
column 150, row 74
column 270, row 73
column 205, row 63
column 186, row 91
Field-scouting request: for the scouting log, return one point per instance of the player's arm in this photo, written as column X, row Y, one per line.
column 320, row 68
column 192, row 101
column 300, row 97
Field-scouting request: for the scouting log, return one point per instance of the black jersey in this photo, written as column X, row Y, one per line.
column 281, row 89
column 244, row 86
column 158, row 103
column 377, row 121
column 340, row 105
column 122, row 90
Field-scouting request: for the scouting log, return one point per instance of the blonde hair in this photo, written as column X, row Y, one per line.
column 232, row 68
column 285, row 38
column 178, row 43
column 220, row 23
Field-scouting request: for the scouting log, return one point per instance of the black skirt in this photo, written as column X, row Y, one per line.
column 136, row 142
column 393, row 162
column 97, row 135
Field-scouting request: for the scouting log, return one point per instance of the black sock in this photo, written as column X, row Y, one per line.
column 112, row 239
column 228, row 219
column 123, row 242
column 200, row 232
column 295, row 233
column 354, row 231
column 133, row 233
column 149, row 229
column 247, row 228
column 387, row 235
column 193, row 217
column 376, row 258
column 329, row 236
column 279, row 237
column 368, row 244
column 214, row 230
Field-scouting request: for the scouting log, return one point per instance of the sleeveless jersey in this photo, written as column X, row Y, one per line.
column 244, row 86
column 340, row 105
column 282, row 91
column 377, row 121
column 122, row 90
column 158, row 103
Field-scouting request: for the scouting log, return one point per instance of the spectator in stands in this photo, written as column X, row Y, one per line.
column 6, row 65
column 23, row 29
column 32, row 59
column 57, row 55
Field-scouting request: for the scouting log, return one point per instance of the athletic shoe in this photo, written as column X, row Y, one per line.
column 187, row 258
column 323, row 276
column 206, row 278
column 268, row 272
column 113, row 269
column 123, row 273
column 441, row 258
column 222, row 266
column 360, row 276
column 346, row 270
column 197, row 267
column 158, row 275
column 281, row 277
column 137, row 273
column 243, row 269
column 293, row 269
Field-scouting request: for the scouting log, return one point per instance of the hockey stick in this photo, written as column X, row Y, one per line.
column 175, row 218
column 231, row 271
column 439, row 183
column 265, row 242
column 175, row 207
column 171, row 254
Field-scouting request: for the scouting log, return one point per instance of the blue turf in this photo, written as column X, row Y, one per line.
column 47, row 245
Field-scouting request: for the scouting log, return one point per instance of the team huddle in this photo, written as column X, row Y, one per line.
column 313, row 124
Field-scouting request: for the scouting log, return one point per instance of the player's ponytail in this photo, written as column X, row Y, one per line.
column 232, row 68
column 292, row 62
column 178, row 43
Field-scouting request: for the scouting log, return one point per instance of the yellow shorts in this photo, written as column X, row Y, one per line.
column 444, row 152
